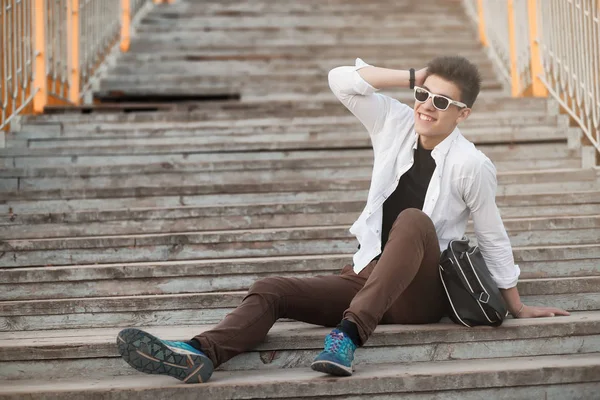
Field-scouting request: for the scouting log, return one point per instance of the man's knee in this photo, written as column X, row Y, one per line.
column 414, row 220
column 265, row 286
column 272, row 292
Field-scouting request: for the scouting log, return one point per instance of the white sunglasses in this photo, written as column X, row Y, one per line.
column 440, row 102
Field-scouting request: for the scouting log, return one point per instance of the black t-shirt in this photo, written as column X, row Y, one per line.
column 410, row 192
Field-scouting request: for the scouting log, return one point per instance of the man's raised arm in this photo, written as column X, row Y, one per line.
column 355, row 87
column 384, row 78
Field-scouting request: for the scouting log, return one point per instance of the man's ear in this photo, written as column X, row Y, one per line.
column 464, row 114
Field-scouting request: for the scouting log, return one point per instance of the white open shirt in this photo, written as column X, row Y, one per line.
column 463, row 183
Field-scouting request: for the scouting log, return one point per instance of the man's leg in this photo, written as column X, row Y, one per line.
column 320, row 300
column 404, row 286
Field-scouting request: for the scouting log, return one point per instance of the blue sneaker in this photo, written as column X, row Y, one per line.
column 149, row 354
column 337, row 356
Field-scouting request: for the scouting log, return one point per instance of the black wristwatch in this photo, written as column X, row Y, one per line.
column 412, row 78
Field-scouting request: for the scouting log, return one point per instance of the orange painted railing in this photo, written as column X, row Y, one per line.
column 50, row 49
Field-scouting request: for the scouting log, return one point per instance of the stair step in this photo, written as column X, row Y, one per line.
column 274, row 242
column 188, row 219
column 511, row 183
column 60, row 354
column 557, row 157
column 189, row 313
column 230, row 84
column 523, row 153
column 192, row 10
column 131, row 67
column 585, row 264
column 531, row 375
column 83, row 169
column 170, row 277
column 265, row 206
column 574, row 294
column 245, row 123
column 256, row 179
column 490, row 105
column 195, row 89
column 156, row 26
column 578, row 226
column 302, row 138
column 541, row 204
column 132, row 124
column 425, row 46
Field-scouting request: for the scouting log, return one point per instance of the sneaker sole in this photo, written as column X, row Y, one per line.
column 150, row 355
column 331, row 368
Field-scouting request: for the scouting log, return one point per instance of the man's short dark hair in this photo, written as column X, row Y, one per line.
column 459, row 71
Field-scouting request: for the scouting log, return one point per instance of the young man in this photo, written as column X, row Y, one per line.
column 427, row 180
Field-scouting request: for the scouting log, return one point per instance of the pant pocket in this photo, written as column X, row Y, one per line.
column 348, row 270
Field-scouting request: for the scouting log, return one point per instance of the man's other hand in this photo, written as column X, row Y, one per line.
column 538, row 312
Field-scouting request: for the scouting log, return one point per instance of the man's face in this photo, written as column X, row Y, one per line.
column 431, row 122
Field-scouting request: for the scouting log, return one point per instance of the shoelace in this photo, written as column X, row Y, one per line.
column 336, row 342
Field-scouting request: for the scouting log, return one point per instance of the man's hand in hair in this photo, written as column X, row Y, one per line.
column 420, row 76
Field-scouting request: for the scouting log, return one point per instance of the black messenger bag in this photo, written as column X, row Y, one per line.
column 472, row 293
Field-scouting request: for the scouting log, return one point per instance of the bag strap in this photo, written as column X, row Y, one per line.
column 446, row 265
column 476, row 296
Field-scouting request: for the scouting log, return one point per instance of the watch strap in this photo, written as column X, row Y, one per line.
column 412, row 78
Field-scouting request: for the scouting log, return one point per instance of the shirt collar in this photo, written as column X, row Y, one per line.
column 444, row 146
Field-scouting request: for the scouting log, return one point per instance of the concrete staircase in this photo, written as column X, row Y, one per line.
column 162, row 214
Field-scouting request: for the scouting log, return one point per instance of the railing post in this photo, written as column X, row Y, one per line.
column 538, row 88
column 74, row 72
column 40, row 83
column 125, row 25
column 512, row 42
column 481, row 23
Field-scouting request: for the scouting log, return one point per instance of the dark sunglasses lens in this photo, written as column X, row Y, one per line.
column 421, row 95
column 440, row 102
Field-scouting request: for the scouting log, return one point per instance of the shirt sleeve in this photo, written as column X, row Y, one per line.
column 360, row 98
column 493, row 241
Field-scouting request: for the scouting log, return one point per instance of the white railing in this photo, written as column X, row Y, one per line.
column 521, row 59
column 50, row 49
column 56, row 17
column 569, row 38
column 547, row 47
column 497, row 32
column 100, row 27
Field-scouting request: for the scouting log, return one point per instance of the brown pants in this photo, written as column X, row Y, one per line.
column 403, row 287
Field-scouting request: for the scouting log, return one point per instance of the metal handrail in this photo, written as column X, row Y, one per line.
column 100, row 27
column 16, row 64
column 547, row 47
column 569, row 39
column 50, row 49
